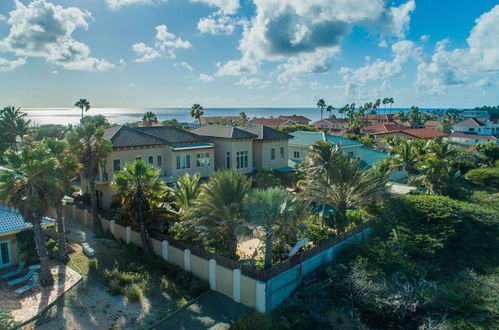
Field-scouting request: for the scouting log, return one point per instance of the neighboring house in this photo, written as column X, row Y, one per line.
column 434, row 124
column 331, row 124
column 221, row 120
column 272, row 122
column 470, row 138
column 376, row 119
column 403, row 132
column 301, row 120
column 475, row 114
column 383, row 128
column 423, row 133
column 270, row 148
column 11, row 224
column 144, row 123
column 233, row 146
column 172, row 150
column 480, row 126
column 300, row 144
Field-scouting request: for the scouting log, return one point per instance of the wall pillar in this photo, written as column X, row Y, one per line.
column 73, row 212
column 164, row 248
column 187, row 260
column 112, row 227
column 85, row 217
column 236, row 285
column 213, row 275
column 128, row 234
column 261, row 297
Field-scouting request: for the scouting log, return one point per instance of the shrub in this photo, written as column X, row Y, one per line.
column 7, row 321
column 485, row 177
column 134, row 292
column 127, row 282
column 266, row 179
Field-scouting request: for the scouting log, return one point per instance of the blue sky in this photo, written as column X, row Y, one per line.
column 248, row 53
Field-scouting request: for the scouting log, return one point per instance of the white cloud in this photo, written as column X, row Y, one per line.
column 121, row 65
column 253, row 82
column 226, row 7
column 205, row 78
column 7, row 65
column 130, row 85
column 294, row 29
column 402, row 52
column 383, row 44
column 458, row 66
column 216, row 25
column 246, row 65
column 424, row 38
column 2, row 18
column 55, row 72
column 184, row 65
column 164, row 46
column 42, row 29
column 117, row 4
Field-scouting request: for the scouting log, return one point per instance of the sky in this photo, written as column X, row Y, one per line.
column 248, row 53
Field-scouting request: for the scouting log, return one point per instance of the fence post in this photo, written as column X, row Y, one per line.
column 164, row 247
column 236, row 285
column 73, row 212
column 128, row 234
column 85, row 217
column 112, row 224
column 187, row 260
column 261, row 297
column 212, row 269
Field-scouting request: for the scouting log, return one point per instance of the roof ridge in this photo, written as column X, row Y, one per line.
column 147, row 134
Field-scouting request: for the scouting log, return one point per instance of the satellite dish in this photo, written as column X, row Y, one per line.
column 301, row 243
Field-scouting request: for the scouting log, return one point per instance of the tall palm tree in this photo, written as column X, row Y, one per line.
column 149, row 118
column 67, row 168
column 184, row 192
column 89, row 146
column 197, row 111
column 440, row 149
column 219, row 208
column 403, row 154
column 330, row 109
column 391, row 101
column 321, row 104
column 139, row 189
column 32, row 189
column 84, row 105
column 269, row 209
column 438, row 175
column 243, row 120
column 14, row 124
column 319, row 166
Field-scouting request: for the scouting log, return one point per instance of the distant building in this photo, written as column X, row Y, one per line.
column 222, row 120
column 475, row 114
column 270, row 148
column 434, row 124
column 471, row 139
column 383, row 128
column 301, row 120
column 328, row 124
column 376, row 119
column 474, row 130
column 272, row 122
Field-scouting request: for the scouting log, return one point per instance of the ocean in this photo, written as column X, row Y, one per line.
column 64, row 116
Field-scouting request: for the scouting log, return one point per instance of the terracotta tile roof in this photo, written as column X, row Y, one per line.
column 470, row 122
column 296, row 118
column 431, row 123
column 270, row 121
column 333, row 121
column 472, row 136
column 383, row 128
column 384, row 116
column 423, row 133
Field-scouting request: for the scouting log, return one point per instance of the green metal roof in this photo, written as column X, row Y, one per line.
column 369, row 157
column 305, row 139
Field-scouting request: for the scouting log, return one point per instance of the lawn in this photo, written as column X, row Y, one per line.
column 156, row 288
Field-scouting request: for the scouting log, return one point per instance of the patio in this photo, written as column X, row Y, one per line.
column 25, row 306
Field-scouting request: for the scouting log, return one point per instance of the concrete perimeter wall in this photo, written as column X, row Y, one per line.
column 264, row 297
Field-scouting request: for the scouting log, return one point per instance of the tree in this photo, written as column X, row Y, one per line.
column 403, row 154
column 265, row 178
column 184, row 192
column 321, row 104
column 485, row 177
column 197, row 111
column 489, row 150
column 269, row 209
column 219, row 209
column 440, row 149
column 243, row 120
column 149, row 118
column 175, row 123
column 14, row 124
column 330, row 109
column 84, row 105
column 297, row 127
column 32, row 189
column 415, row 117
column 439, row 176
column 98, row 120
column 391, row 101
column 139, row 189
column 89, row 146
column 400, row 115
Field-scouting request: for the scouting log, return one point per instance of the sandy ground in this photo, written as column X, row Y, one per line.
column 25, row 306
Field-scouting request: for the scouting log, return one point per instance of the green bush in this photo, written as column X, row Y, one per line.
column 485, row 177
column 131, row 283
column 7, row 321
column 266, row 179
column 134, row 292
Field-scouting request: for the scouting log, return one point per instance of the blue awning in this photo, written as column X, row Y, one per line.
column 285, row 170
column 193, row 146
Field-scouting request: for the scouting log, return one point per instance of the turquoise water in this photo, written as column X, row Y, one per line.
column 66, row 116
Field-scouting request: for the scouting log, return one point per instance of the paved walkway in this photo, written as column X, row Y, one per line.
column 212, row 311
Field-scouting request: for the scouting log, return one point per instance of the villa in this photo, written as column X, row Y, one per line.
column 220, row 120
column 270, row 148
column 11, row 224
column 434, row 124
column 378, row 118
column 474, row 130
column 332, row 124
column 272, row 122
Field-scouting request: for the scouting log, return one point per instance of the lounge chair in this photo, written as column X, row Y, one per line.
column 22, row 279
column 30, row 285
column 15, row 272
column 88, row 250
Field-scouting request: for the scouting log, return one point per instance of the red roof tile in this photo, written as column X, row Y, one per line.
column 424, row 133
column 269, row 121
column 296, row 118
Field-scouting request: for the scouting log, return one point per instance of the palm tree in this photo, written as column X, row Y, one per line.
column 330, row 109
column 89, row 146
column 391, row 101
column 139, row 190
column 149, row 118
column 321, row 104
column 197, row 111
column 319, row 166
column 219, row 209
column 270, row 209
column 32, row 189
column 438, row 175
column 440, row 149
column 184, row 192
column 14, row 124
column 67, row 168
column 84, row 105
column 242, row 120
column 403, row 154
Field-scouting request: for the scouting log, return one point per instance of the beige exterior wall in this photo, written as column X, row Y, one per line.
column 224, row 280
column 262, row 154
column 223, row 146
column 200, row 267
column 248, row 291
column 14, row 253
column 302, row 153
column 171, row 168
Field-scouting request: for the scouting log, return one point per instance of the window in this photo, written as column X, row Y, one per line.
column 471, row 129
column 183, row 162
column 159, row 161
column 350, row 153
column 242, row 159
column 138, row 158
column 203, row 160
column 272, row 154
column 4, row 253
column 281, row 152
column 227, row 160
column 116, row 165
column 104, row 170
column 296, row 154
column 150, row 160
